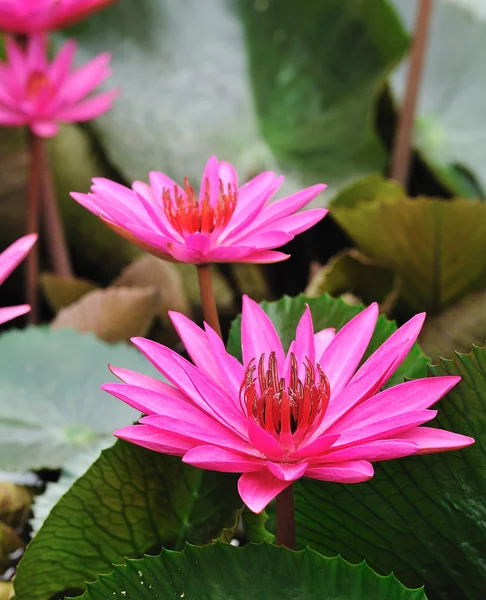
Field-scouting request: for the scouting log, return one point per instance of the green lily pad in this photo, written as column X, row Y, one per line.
column 51, row 407
column 450, row 126
column 256, row 571
column 131, row 501
column 265, row 84
column 328, row 312
column 437, row 248
column 424, row 517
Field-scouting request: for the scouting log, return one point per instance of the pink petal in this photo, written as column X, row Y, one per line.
column 377, row 369
column 196, row 343
column 230, row 369
column 295, row 224
column 315, row 448
column 45, row 129
column 15, row 254
column 264, row 257
column 322, row 339
column 258, row 335
column 304, row 341
column 342, row 356
column 61, row 65
column 264, row 442
column 265, row 240
column 258, row 489
column 406, row 397
column 430, row 439
column 150, row 383
column 147, row 401
column 372, row 451
column 10, row 118
column 160, row 182
column 287, row 471
column 351, row 472
column 228, row 176
column 12, row 312
column 385, row 428
column 214, row 458
column 89, row 109
column 88, row 77
column 290, row 204
column 154, row 439
column 210, row 178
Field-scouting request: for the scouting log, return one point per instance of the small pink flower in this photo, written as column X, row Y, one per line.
column 40, row 94
column 313, row 412
column 225, row 223
column 32, row 16
column 9, row 259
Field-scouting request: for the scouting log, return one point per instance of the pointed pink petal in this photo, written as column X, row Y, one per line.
column 88, row 109
column 263, row 257
column 351, row 472
column 258, row 489
column 9, row 118
column 61, row 65
column 431, row 440
column 210, row 178
column 377, row 369
column 228, row 176
column 147, row 401
column 258, row 335
column 197, row 426
column 159, row 181
column 88, row 77
column 150, row 383
column 214, row 458
column 406, row 397
column 295, row 224
column 388, row 427
column 264, row 442
column 372, row 451
column 196, row 343
column 304, row 341
column 254, row 189
column 290, row 204
column 230, row 369
column 342, row 356
column 315, row 448
column 265, row 240
column 154, row 439
column 287, row 471
column 15, row 254
column 322, row 339
column 12, row 312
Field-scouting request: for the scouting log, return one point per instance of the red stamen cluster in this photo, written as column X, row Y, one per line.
column 285, row 410
column 36, row 84
column 188, row 215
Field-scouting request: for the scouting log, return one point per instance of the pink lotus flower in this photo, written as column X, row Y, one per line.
column 278, row 417
column 9, row 259
column 31, row 16
column 224, row 224
column 42, row 95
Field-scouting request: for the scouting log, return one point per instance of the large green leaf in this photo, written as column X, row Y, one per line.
column 437, row 248
column 129, row 502
column 256, row 571
column 190, row 73
column 450, row 126
column 327, row 312
column 51, row 407
column 424, row 518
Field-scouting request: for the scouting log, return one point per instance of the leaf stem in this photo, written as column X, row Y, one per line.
column 32, row 225
column 210, row 310
column 402, row 147
column 286, row 518
column 55, row 238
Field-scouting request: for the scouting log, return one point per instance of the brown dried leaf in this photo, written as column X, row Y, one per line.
column 114, row 315
column 164, row 277
column 15, row 503
column 9, row 542
column 63, row 291
column 350, row 271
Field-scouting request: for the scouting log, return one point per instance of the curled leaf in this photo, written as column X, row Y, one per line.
column 114, row 315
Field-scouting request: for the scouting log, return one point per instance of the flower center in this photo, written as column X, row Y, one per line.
column 36, row 84
column 189, row 215
column 294, row 408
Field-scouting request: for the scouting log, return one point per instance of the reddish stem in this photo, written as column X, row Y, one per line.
column 210, row 310
column 54, row 231
column 32, row 225
column 402, row 149
column 286, row 518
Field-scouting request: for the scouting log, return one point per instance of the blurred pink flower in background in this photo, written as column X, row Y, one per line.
column 42, row 95
column 31, row 16
column 9, row 259
column 224, row 223
column 311, row 412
